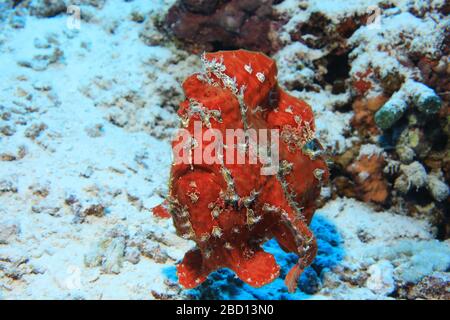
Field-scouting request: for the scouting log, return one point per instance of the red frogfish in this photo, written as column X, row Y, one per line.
column 228, row 196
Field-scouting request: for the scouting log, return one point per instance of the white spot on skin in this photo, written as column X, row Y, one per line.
column 228, row 246
column 261, row 77
column 289, row 110
column 217, row 232
column 192, row 184
column 248, row 68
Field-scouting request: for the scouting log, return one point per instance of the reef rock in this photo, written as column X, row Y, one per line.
column 436, row 287
column 225, row 24
column 47, row 8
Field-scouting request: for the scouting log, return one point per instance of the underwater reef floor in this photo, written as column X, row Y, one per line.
column 86, row 118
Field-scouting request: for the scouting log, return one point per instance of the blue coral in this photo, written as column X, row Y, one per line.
column 223, row 285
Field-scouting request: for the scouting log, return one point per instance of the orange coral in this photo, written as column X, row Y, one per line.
column 361, row 83
column 367, row 172
column 364, row 117
column 230, row 210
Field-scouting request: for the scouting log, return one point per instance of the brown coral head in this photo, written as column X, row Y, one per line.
column 203, row 25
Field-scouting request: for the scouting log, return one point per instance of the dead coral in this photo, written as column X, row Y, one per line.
column 433, row 287
column 367, row 172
